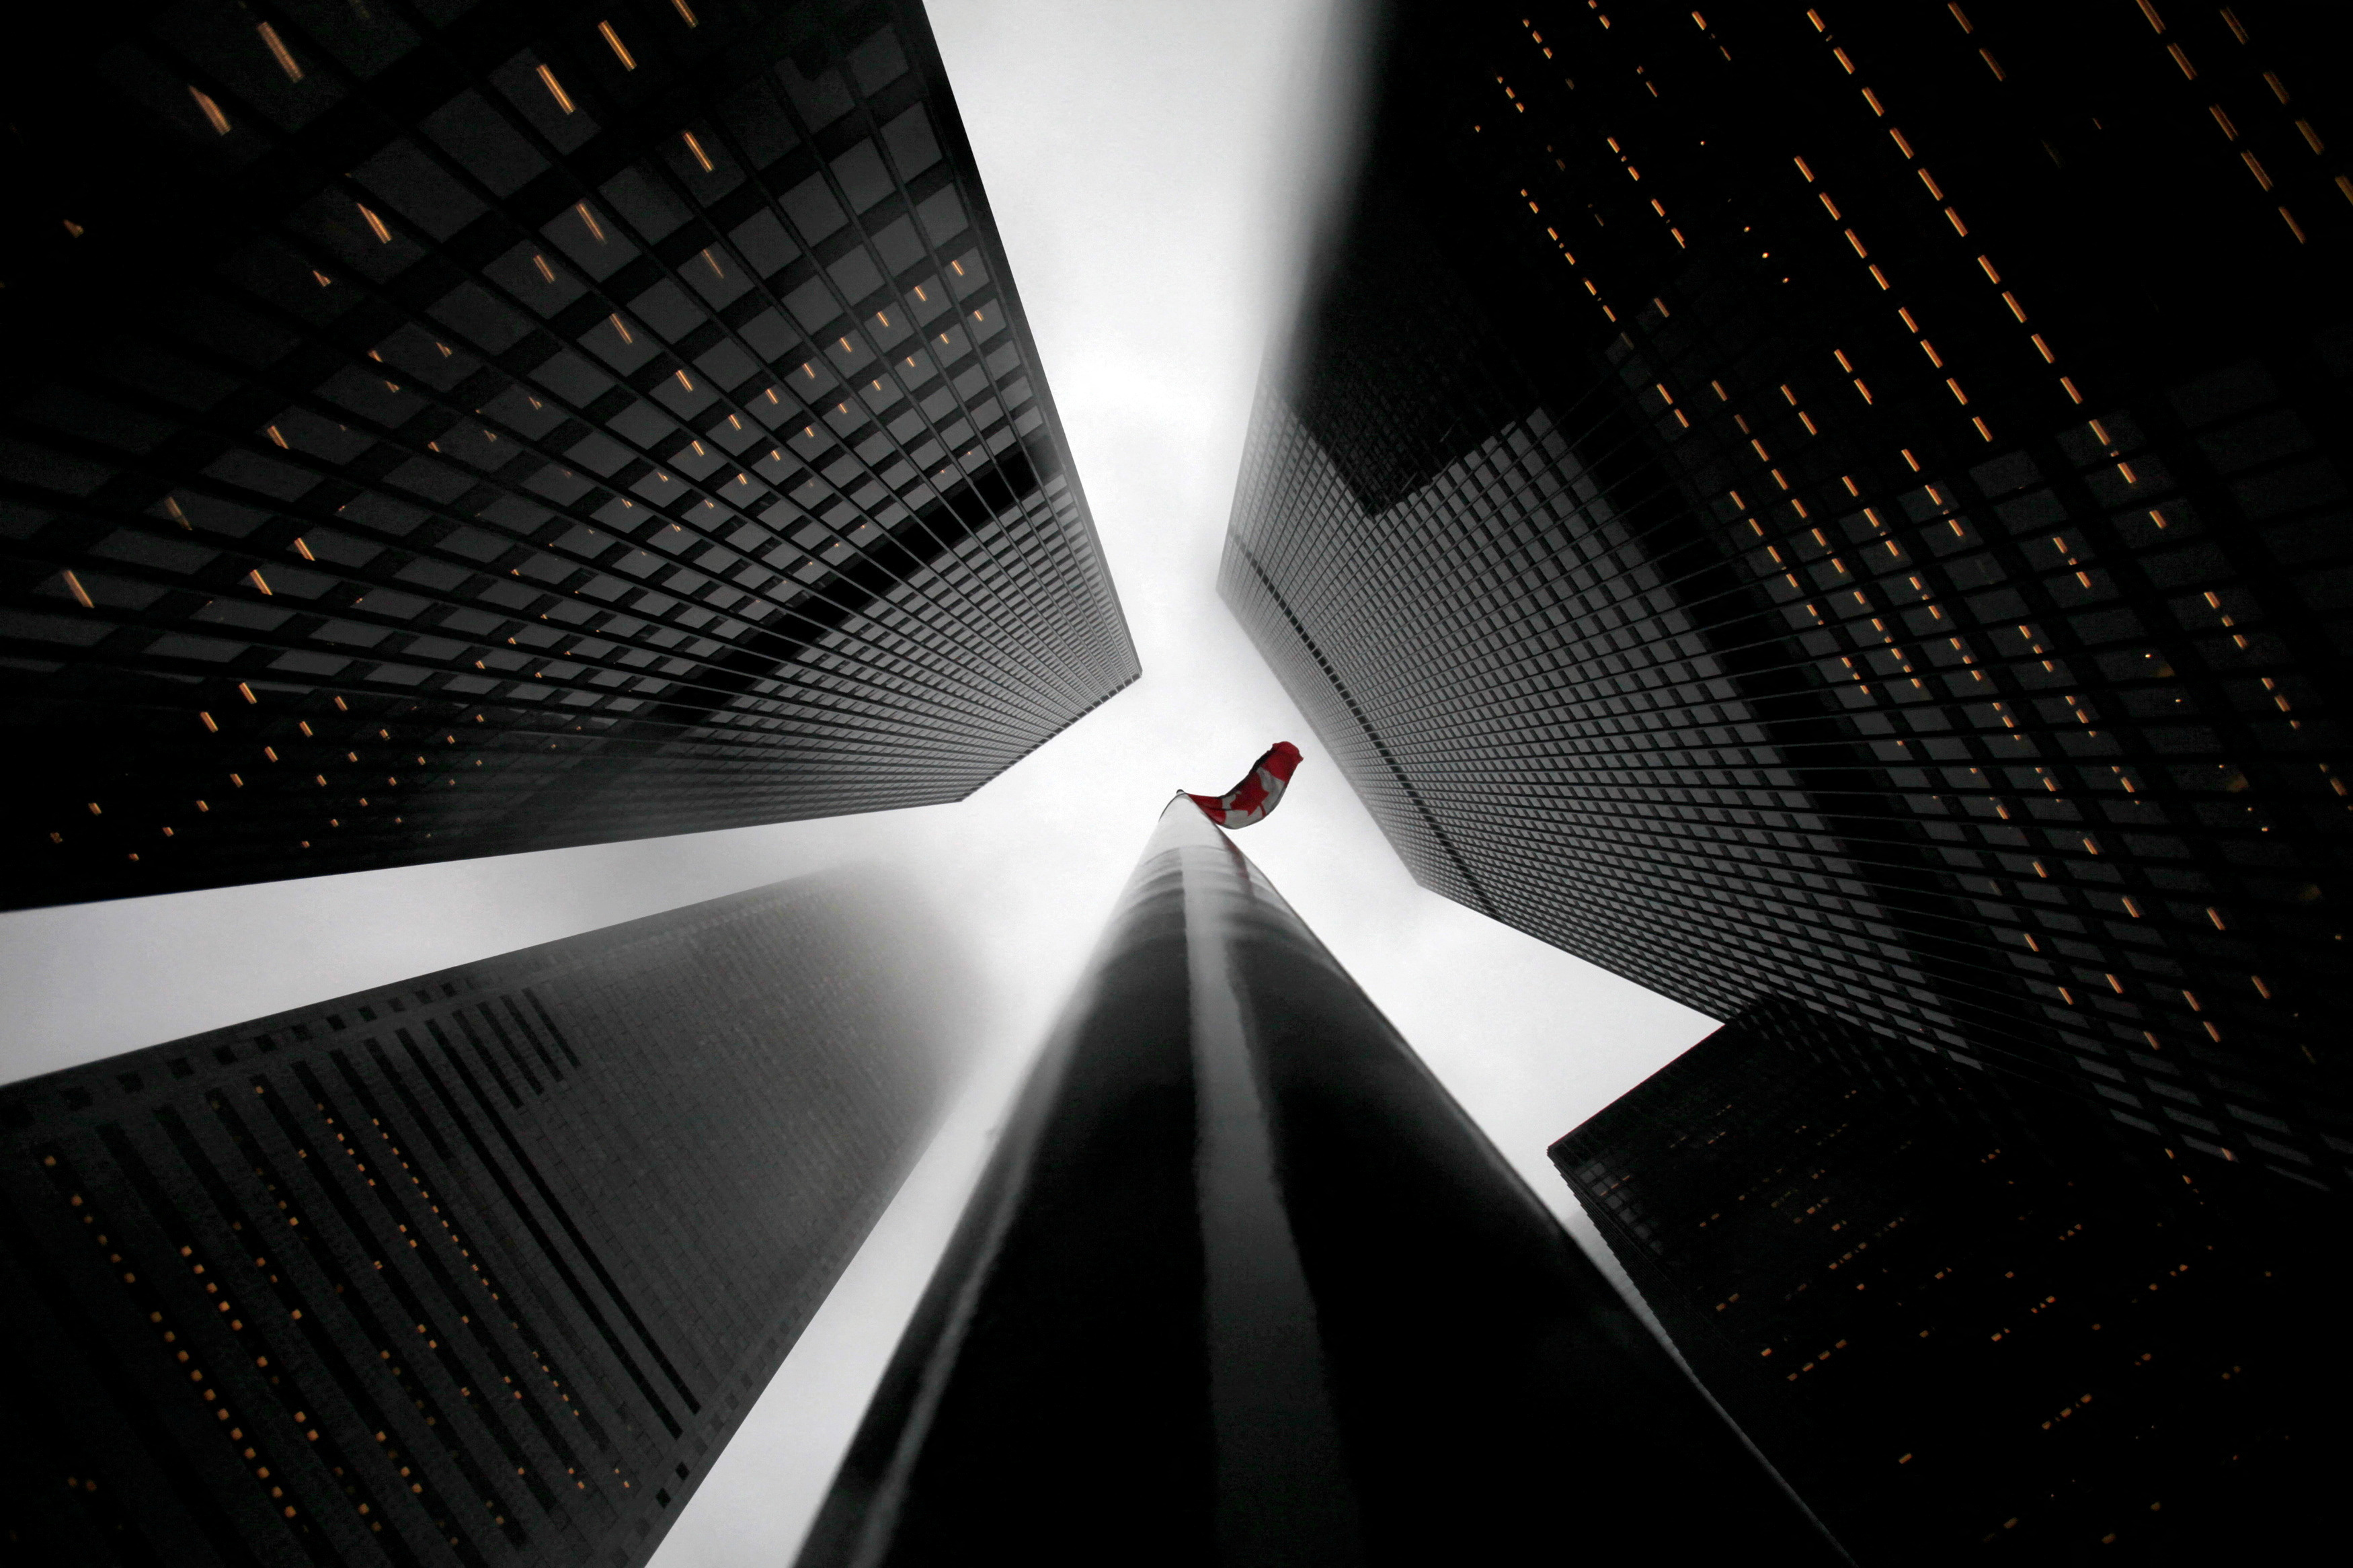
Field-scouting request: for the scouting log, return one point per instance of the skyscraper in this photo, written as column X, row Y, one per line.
column 430, row 433
column 1843, row 503
column 1241, row 1284
column 1964, row 1321
column 484, row 1268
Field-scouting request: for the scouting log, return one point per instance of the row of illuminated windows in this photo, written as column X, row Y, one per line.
column 223, row 1393
column 2281, row 699
column 559, row 1036
column 624, row 624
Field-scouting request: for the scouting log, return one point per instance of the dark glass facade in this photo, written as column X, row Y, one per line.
column 1846, row 503
column 1241, row 1284
column 453, row 429
column 1969, row 1325
column 479, row 1268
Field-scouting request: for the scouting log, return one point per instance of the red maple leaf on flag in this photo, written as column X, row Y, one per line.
column 1250, row 800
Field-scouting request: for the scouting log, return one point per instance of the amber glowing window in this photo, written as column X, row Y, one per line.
column 209, row 110
column 281, row 53
column 556, row 90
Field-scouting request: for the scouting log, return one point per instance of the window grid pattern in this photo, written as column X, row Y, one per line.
column 1683, row 540
column 1662, row 707
column 1930, row 1302
column 629, row 438
column 482, row 1267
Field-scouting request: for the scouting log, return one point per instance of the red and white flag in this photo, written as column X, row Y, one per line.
column 1252, row 799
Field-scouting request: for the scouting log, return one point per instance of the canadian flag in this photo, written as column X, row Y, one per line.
column 1250, row 800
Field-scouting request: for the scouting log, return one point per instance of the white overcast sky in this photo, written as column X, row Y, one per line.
column 1149, row 166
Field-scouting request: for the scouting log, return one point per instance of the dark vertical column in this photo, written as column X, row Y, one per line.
column 1244, row 1285
column 1282, row 1492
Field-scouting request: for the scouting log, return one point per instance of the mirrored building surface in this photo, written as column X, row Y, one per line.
column 1845, row 503
column 1969, row 1324
column 479, row 1268
column 451, row 430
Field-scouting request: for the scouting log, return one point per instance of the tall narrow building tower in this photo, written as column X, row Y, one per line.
column 1241, row 1284
column 478, row 1270
column 447, row 431
column 1846, row 503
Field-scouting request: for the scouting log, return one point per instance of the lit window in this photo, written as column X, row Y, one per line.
column 211, row 110
column 281, row 53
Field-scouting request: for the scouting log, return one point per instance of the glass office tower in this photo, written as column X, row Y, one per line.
column 479, row 1268
column 449, row 430
column 1967, row 1323
column 1845, row 503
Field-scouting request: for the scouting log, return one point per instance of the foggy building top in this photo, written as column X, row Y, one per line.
column 451, row 431
column 1843, row 503
column 482, row 1267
